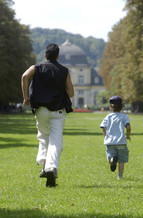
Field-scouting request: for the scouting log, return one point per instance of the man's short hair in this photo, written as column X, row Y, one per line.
column 52, row 52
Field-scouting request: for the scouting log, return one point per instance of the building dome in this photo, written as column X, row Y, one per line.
column 68, row 48
column 71, row 54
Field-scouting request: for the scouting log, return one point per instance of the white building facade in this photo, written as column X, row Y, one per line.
column 86, row 80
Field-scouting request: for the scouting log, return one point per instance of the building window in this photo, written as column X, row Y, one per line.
column 80, row 79
column 81, row 92
column 81, row 69
column 80, row 102
column 96, row 80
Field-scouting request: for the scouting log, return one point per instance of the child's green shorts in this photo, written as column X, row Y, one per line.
column 120, row 151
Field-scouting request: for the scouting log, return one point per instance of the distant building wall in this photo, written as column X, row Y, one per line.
column 86, row 80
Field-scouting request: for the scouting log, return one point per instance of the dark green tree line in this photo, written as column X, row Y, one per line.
column 122, row 60
column 15, row 53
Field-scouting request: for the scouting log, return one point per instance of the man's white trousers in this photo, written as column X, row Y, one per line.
column 50, row 135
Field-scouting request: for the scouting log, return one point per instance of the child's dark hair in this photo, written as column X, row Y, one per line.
column 116, row 103
column 52, row 52
column 116, row 107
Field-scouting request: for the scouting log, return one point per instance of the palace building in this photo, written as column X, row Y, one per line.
column 86, row 81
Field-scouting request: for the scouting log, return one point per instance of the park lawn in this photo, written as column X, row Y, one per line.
column 86, row 186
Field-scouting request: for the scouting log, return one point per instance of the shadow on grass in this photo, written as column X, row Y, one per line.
column 37, row 213
column 17, row 124
column 14, row 142
column 140, row 133
column 17, row 145
column 122, row 186
column 26, row 128
column 12, row 128
column 25, row 124
column 79, row 132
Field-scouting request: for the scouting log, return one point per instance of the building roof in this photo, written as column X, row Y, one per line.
column 71, row 54
column 68, row 48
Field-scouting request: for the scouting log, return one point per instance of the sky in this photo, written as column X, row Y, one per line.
column 85, row 17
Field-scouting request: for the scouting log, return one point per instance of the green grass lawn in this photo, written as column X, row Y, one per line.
column 86, row 186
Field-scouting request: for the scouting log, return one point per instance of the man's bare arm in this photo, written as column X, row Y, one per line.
column 69, row 86
column 28, row 74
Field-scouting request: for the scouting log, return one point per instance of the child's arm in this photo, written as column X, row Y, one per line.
column 128, row 128
column 104, row 131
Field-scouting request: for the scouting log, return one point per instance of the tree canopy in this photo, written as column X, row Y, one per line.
column 122, row 60
column 16, row 53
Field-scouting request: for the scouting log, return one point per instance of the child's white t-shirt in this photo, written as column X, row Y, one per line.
column 115, row 124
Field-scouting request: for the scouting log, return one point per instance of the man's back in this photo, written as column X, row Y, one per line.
column 48, row 85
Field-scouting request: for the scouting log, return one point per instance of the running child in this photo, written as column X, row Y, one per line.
column 113, row 126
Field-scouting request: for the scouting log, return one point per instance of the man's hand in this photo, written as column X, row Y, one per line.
column 26, row 101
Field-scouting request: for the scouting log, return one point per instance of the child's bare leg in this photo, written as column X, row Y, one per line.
column 120, row 169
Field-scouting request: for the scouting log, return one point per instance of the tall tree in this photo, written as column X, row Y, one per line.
column 134, row 47
column 122, row 61
column 15, row 53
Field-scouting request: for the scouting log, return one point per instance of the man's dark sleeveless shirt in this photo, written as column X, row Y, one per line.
column 48, row 86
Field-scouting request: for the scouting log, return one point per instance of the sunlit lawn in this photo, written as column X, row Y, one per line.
column 86, row 187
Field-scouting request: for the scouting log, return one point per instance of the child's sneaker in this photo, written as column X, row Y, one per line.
column 119, row 176
column 113, row 164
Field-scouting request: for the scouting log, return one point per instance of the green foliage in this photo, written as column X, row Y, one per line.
column 102, row 102
column 122, row 61
column 42, row 37
column 15, row 53
column 86, row 186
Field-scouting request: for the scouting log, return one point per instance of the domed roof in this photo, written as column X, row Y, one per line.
column 68, row 48
column 71, row 54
